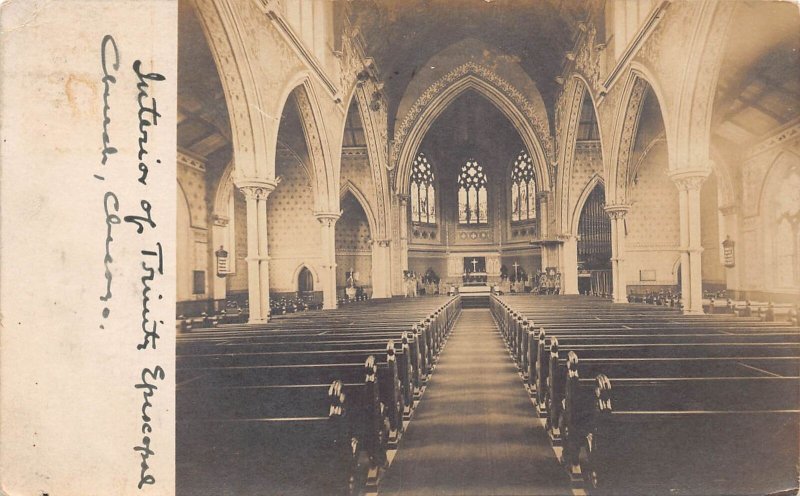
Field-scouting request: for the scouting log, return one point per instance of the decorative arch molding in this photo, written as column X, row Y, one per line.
column 439, row 95
column 252, row 149
column 325, row 177
column 310, row 268
column 375, row 132
column 570, row 114
column 625, row 127
column 182, row 196
column 782, row 162
column 349, row 187
column 578, row 209
column 696, row 97
column 729, row 193
column 224, row 189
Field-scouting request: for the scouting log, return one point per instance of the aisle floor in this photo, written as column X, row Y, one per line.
column 475, row 431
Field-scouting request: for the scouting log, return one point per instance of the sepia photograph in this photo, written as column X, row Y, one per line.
column 407, row 248
column 488, row 247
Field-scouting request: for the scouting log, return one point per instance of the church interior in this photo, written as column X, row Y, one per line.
column 587, row 200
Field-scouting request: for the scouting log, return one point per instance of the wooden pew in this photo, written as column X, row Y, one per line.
column 572, row 410
column 727, row 436
column 316, row 448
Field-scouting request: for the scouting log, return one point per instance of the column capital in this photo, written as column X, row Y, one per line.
column 327, row 218
column 382, row 243
column 219, row 220
column 617, row 210
column 257, row 189
column 542, row 195
column 729, row 209
column 689, row 179
column 403, row 199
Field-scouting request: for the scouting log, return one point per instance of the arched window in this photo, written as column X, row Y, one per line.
column 305, row 281
column 523, row 189
column 423, row 192
column 472, row 204
column 787, row 230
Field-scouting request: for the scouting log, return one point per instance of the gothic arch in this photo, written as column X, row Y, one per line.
column 224, row 189
column 310, row 268
column 578, row 90
column 783, row 161
column 625, row 130
column 694, row 108
column 375, row 129
column 587, row 190
column 252, row 149
column 323, row 177
column 349, row 187
column 439, row 95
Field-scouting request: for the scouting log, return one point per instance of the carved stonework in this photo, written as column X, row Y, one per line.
column 587, row 62
column 628, row 137
column 689, row 180
column 220, row 220
column 327, row 219
column 257, row 189
column 375, row 125
column 188, row 160
column 785, row 135
column 314, row 143
column 617, row 211
column 539, row 124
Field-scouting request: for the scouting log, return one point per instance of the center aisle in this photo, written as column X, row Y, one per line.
column 475, row 431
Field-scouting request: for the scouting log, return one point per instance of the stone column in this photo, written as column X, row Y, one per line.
column 327, row 222
column 381, row 273
column 618, row 277
column 256, row 192
column 403, row 202
column 569, row 264
column 689, row 182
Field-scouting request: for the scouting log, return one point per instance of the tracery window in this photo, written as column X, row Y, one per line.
column 423, row 191
column 787, row 230
column 472, row 202
column 523, row 189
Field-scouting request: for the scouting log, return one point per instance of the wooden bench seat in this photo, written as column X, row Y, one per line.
column 713, row 449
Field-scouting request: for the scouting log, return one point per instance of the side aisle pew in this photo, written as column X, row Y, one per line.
column 275, row 446
column 666, row 366
column 693, row 436
column 237, row 384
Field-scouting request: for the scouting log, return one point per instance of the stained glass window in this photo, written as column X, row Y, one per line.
column 472, row 199
column 423, row 191
column 523, row 189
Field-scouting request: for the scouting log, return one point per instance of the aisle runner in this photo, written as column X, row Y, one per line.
column 475, row 432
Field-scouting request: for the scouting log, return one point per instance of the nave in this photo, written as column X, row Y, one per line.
column 476, row 432
column 539, row 395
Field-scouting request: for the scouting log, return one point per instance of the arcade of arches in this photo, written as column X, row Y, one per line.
column 329, row 147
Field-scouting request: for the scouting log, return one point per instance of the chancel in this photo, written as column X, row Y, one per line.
column 470, row 247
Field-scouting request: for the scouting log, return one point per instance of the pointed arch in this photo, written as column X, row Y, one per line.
column 250, row 129
column 375, row 129
column 782, row 162
column 437, row 98
column 578, row 91
column 349, row 187
column 587, row 190
column 305, row 264
column 626, row 126
column 324, row 177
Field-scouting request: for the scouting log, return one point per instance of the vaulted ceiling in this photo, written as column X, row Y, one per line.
column 203, row 122
column 759, row 82
column 402, row 35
